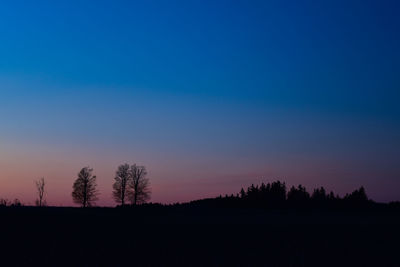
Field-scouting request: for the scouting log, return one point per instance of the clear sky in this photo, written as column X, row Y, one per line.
column 209, row 95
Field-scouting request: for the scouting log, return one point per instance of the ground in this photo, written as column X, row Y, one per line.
column 187, row 236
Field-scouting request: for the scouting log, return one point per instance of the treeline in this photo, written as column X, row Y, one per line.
column 277, row 195
column 131, row 185
column 132, row 188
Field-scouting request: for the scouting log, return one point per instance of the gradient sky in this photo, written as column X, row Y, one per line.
column 209, row 95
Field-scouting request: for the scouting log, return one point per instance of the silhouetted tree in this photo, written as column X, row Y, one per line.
column 298, row 196
column 357, row 197
column 40, row 188
column 139, row 186
column 263, row 189
column 331, row 196
column 319, row 195
column 84, row 189
column 242, row 193
column 120, row 187
column 277, row 193
column 252, row 193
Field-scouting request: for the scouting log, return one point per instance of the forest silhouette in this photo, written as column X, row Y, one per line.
column 275, row 195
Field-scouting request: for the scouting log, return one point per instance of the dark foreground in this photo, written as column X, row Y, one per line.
column 197, row 237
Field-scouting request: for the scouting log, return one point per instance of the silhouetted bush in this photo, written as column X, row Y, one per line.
column 4, row 202
column 16, row 203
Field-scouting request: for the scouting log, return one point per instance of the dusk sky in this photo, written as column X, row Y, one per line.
column 210, row 96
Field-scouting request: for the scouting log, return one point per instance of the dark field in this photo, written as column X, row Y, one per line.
column 181, row 236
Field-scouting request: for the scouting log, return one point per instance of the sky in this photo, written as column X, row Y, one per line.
column 210, row 96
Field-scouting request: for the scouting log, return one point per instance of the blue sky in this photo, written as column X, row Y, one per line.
column 301, row 90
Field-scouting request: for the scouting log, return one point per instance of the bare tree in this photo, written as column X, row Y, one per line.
column 139, row 185
column 120, row 186
column 84, row 188
column 40, row 188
